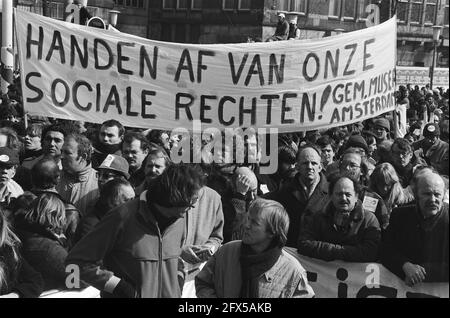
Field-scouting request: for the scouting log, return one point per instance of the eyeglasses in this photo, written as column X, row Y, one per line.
column 351, row 165
column 401, row 154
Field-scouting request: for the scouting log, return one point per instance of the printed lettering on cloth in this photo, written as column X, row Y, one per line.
column 362, row 280
column 80, row 73
column 421, row 76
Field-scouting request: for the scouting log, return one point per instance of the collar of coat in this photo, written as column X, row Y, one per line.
column 293, row 184
column 356, row 214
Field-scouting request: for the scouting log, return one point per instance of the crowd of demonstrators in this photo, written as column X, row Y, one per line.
column 111, row 200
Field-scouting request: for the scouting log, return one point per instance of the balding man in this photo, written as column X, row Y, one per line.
column 416, row 242
column 245, row 192
column 304, row 194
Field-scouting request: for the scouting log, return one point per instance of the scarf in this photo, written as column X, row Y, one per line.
column 253, row 266
column 342, row 221
column 32, row 153
column 80, row 176
column 108, row 149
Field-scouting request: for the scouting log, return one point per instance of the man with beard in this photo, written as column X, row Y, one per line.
column 109, row 142
column 433, row 149
column 415, row 245
column 345, row 230
column 155, row 163
column 354, row 165
column 404, row 160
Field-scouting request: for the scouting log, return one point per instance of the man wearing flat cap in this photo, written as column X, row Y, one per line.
column 9, row 189
column 282, row 30
column 433, row 149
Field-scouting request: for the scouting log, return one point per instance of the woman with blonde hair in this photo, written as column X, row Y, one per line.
column 17, row 278
column 385, row 182
column 42, row 233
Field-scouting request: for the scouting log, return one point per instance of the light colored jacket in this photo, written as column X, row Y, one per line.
column 222, row 278
column 81, row 190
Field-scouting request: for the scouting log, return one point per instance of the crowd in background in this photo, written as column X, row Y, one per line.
column 109, row 199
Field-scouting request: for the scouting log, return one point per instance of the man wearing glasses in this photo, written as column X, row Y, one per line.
column 354, row 165
column 139, row 243
column 433, row 149
column 404, row 160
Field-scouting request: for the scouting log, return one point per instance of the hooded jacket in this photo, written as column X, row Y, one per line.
column 132, row 248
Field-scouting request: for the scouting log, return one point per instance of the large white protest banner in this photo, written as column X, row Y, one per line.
column 339, row 279
column 76, row 72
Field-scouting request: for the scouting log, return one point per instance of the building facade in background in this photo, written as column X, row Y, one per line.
column 236, row 21
column 415, row 32
column 56, row 8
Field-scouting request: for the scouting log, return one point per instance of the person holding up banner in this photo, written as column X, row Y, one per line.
column 282, row 30
column 416, row 243
column 345, row 230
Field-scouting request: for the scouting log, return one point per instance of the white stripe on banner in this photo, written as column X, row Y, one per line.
column 362, row 280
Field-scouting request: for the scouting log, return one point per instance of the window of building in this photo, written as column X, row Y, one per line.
column 57, row 10
column 182, row 4
column 416, row 11
column 402, row 10
column 196, row 4
column 169, row 4
column 244, row 4
column 349, row 9
column 92, row 11
column 231, row 5
column 298, row 6
column 446, row 13
column 25, row 8
column 430, row 11
column 131, row 3
column 228, row 4
column 335, row 8
column 321, row 7
column 362, row 5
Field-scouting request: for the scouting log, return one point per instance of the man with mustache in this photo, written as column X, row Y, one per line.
column 52, row 141
column 344, row 230
column 415, row 245
column 354, row 165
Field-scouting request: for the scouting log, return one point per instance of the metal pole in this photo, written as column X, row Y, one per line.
column 7, row 53
column 432, row 65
